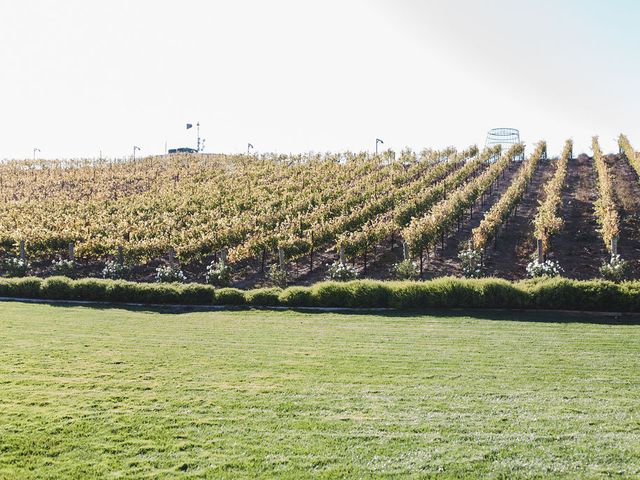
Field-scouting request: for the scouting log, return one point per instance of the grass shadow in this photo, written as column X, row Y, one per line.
column 518, row 315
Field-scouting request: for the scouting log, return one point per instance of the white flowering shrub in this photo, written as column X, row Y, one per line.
column 218, row 274
column 15, row 267
column 548, row 268
column 406, row 270
column 277, row 276
column 615, row 269
column 169, row 273
column 114, row 270
column 62, row 267
column 471, row 261
column 342, row 272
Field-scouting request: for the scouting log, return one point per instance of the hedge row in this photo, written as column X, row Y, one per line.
column 553, row 293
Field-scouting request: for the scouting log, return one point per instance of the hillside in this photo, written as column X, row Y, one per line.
column 190, row 210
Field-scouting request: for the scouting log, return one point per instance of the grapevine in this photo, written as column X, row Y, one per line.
column 605, row 207
column 629, row 152
column 547, row 222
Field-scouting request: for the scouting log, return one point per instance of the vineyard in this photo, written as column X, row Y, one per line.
column 247, row 220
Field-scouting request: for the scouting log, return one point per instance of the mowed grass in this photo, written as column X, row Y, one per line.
column 111, row 393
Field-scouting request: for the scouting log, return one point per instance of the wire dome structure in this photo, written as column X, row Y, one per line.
column 505, row 137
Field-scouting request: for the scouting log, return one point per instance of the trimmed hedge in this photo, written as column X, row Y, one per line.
column 550, row 293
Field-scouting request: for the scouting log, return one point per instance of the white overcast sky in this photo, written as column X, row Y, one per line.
column 80, row 77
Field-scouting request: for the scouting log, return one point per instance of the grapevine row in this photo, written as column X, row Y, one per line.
column 547, row 222
column 297, row 235
column 423, row 232
column 357, row 242
column 606, row 210
column 501, row 210
column 629, row 152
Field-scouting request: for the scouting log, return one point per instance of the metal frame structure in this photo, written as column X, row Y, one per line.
column 505, row 137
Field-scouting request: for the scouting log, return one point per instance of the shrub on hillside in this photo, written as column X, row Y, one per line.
column 341, row 272
column 170, row 274
column 277, row 276
column 615, row 269
column 114, row 270
column 15, row 267
column 547, row 268
column 471, row 263
column 406, row 270
column 218, row 274
column 62, row 267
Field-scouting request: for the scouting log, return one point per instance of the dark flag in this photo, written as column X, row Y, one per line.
column 189, row 126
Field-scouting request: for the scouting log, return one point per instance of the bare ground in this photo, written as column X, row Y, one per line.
column 578, row 247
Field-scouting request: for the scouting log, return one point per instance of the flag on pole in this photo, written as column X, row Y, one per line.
column 189, row 126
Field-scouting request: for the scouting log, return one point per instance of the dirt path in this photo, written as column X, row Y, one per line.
column 627, row 191
column 509, row 255
column 578, row 247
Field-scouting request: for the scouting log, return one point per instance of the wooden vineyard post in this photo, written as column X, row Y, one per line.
column 223, row 255
column 22, row 254
column 614, row 246
column 281, row 258
column 342, row 254
column 539, row 249
column 364, row 259
column 405, row 251
column 120, row 255
column 72, row 253
column 311, row 255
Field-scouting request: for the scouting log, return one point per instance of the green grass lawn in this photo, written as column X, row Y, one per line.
column 87, row 393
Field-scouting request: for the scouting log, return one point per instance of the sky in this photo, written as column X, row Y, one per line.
column 84, row 78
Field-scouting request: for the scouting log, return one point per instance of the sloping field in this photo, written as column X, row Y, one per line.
column 93, row 393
